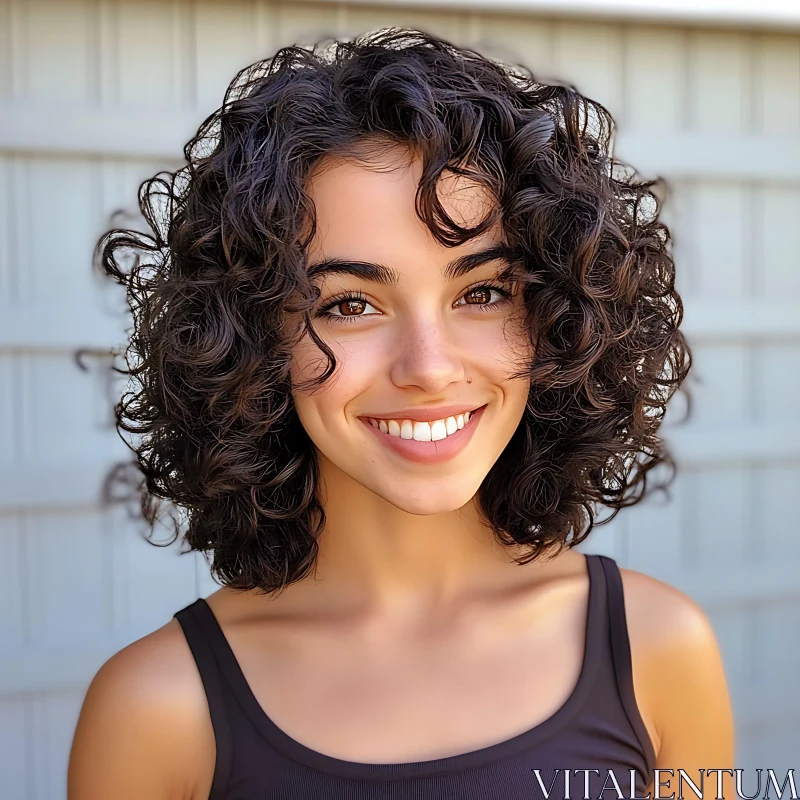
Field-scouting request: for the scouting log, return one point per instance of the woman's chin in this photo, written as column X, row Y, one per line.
column 433, row 499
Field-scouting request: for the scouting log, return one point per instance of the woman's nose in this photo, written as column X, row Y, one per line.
column 427, row 357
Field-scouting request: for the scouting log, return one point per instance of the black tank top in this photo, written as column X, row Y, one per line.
column 595, row 738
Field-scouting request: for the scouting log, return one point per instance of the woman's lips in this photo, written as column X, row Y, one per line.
column 429, row 452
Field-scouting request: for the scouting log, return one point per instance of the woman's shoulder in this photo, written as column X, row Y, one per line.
column 677, row 667
column 156, row 671
column 144, row 729
column 662, row 617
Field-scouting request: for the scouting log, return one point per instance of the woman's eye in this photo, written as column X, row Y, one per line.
column 478, row 296
column 482, row 296
column 350, row 308
column 346, row 308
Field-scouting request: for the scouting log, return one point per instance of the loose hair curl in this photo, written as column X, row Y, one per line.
column 210, row 287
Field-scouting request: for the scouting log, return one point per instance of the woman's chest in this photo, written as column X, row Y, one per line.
column 396, row 699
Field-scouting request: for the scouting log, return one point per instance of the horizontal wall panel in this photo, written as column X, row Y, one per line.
column 88, row 131
column 58, row 327
column 740, row 320
column 677, row 154
column 74, row 485
column 767, row 443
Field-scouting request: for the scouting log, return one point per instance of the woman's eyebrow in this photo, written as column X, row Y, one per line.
column 378, row 273
column 461, row 266
column 366, row 270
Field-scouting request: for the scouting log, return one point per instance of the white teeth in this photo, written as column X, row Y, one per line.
column 438, row 430
column 422, row 432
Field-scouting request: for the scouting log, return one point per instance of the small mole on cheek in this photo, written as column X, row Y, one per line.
column 469, row 380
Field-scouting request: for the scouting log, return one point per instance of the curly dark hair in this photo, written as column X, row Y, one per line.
column 210, row 287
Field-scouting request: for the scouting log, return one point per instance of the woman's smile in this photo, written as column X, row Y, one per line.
column 425, row 441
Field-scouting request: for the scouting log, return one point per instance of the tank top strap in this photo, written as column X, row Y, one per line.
column 199, row 635
column 621, row 653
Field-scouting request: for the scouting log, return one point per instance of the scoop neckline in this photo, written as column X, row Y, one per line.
column 297, row 751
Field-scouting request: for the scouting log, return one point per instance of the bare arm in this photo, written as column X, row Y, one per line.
column 680, row 681
column 144, row 729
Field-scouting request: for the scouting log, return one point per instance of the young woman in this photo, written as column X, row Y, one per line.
column 402, row 327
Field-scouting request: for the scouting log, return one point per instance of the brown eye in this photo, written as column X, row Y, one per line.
column 351, row 307
column 346, row 308
column 482, row 294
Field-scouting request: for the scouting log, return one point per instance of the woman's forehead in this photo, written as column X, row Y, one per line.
column 363, row 208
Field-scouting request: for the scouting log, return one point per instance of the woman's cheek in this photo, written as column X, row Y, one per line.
column 308, row 363
column 361, row 360
column 368, row 353
column 504, row 342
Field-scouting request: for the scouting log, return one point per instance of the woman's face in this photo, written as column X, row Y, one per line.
column 416, row 344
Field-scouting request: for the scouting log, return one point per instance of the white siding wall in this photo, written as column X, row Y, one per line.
column 97, row 95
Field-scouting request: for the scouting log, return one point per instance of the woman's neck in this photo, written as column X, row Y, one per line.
column 379, row 557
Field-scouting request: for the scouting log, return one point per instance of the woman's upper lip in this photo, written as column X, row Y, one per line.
column 424, row 414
